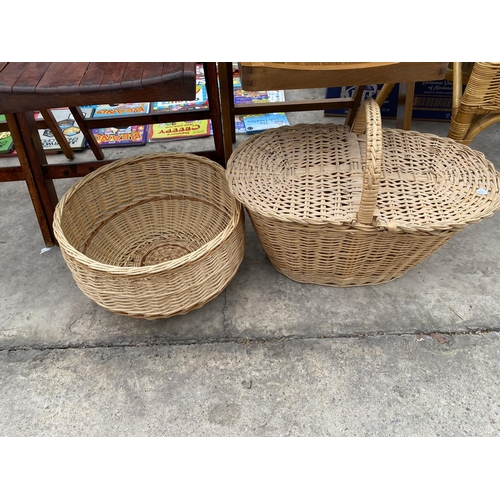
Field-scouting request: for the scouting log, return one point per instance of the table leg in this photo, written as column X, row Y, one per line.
column 44, row 222
column 405, row 105
column 357, row 98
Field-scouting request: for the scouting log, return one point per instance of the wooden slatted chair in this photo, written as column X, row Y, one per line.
column 29, row 86
column 307, row 75
column 51, row 123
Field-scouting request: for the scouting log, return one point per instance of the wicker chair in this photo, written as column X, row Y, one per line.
column 479, row 105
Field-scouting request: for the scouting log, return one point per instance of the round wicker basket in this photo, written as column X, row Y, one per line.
column 152, row 236
column 339, row 207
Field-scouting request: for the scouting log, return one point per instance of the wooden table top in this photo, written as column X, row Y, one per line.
column 30, row 86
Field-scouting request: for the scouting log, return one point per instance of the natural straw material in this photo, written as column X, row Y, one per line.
column 334, row 207
column 152, row 236
column 479, row 106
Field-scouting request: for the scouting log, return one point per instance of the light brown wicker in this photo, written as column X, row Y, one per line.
column 152, row 236
column 334, row 207
column 479, row 106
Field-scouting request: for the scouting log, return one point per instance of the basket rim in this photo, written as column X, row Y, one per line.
column 155, row 268
column 248, row 203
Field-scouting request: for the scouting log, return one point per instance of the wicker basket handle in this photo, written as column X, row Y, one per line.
column 369, row 116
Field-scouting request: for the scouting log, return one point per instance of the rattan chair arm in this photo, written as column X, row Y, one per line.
column 369, row 117
column 477, row 126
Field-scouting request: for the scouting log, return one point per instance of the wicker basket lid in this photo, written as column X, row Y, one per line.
column 325, row 173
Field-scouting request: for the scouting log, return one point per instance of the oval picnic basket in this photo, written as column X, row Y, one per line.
column 152, row 236
column 340, row 207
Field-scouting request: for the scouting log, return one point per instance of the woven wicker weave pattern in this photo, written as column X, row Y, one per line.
column 316, row 173
column 339, row 256
column 333, row 207
column 479, row 106
column 370, row 115
column 152, row 236
column 483, row 87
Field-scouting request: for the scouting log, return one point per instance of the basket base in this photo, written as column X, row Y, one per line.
column 171, row 292
column 342, row 256
column 163, row 252
column 179, row 312
column 336, row 282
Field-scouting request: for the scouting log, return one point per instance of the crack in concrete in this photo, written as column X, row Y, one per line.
column 244, row 341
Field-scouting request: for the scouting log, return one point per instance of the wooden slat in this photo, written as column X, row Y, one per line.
column 178, row 91
column 146, row 119
column 87, row 132
column 62, row 78
column 113, row 77
column 9, row 76
column 290, row 106
column 92, row 79
column 11, row 174
column 58, row 134
column 152, row 74
column 28, row 81
column 176, row 70
column 287, row 76
column 132, row 75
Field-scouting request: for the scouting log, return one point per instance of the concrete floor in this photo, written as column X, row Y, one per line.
column 419, row 356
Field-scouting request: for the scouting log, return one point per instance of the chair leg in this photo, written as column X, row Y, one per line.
column 230, row 86
column 384, row 92
column 225, row 101
column 42, row 195
column 94, row 145
column 405, row 105
column 405, row 102
column 52, row 124
column 210, row 70
column 466, row 132
column 357, row 97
